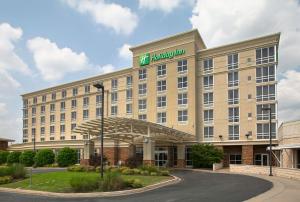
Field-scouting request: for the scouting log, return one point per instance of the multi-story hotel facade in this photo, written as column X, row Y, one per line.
column 177, row 93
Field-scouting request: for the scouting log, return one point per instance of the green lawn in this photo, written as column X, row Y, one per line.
column 59, row 181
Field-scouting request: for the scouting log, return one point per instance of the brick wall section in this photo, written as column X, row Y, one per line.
column 247, row 154
column 114, row 154
column 180, row 163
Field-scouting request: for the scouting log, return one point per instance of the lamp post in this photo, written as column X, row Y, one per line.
column 270, row 135
column 34, row 142
column 100, row 86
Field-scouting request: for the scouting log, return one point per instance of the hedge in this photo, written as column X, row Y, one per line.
column 66, row 157
column 13, row 157
column 44, row 157
column 27, row 158
column 3, row 156
column 205, row 155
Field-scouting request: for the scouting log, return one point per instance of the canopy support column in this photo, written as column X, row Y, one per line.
column 148, row 149
column 181, row 156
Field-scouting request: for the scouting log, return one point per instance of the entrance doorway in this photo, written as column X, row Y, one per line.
column 161, row 157
column 261, row 159
column 298, row 158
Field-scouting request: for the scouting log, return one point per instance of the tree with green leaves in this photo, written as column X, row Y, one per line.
column 205, row 155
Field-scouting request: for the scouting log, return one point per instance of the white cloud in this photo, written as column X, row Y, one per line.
column 7, row 84
column 111, row 15
column 3, row 110
column 124, row 52
column 221, row 22
column 289, row 96
column 54, row 62
column 163, row 5
column 106, row 69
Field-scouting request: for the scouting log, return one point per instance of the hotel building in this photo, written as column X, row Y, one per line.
column 177, row 93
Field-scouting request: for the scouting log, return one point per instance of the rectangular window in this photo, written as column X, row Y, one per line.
column 265, row 93
column 161, row 101
column 98, row 99
column 264, row 114
column 62, row 117
column 129, row 108
column 234, row 132
column 62, row 106
column 25, row 133
column 182, row 116
column 33, row 121
column 161, row 70
column 233, row 79
column 182, row 66
column 208, row 65
column 235, row 159
column 52, row 118
column 143, row 104
column 74, row 104
column 43, row 109
column 161, row 85
column 265, row 74
column 114, row 110
column 43, row 120
column 233, row 114
column 73, row 137
column 25, row 103
column 62, row 129
column 34, row 100
column 208, row 132
column 53, row 96
column 75, row 91
column 208, row 98
column 143, row 89
column 52, row 107
column 129, row 81
column 129, row 94
column 63, row 93
column 114, row 84
column 182, row 82
column 263, row 130
column 42, row 130
column 233, row 61
column 143, row 117
column 86, row 101
column 73, row 126
column 208, row 81
column 161, row 117
column 208, row 115
column 142, row 74
column 25, row 113
column 114, row 97
column 33, row 111
column 25, row 123
column 87, row 89
column 233, row 96
column 265, row 55
column 73, row 116
column 182, row 99
column 33, row 132
column 85, row 114
column 52, row 130
column 44, row 98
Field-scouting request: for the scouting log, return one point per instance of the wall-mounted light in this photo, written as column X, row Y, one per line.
column 221, row 137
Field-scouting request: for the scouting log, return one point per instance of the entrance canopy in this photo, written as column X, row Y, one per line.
column 132, row 131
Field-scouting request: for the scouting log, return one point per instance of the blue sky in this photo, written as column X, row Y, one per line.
column 85, row 38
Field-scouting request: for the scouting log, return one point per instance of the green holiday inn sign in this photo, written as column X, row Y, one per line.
column 145, row 59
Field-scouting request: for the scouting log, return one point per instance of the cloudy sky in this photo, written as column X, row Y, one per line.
column 45, row 43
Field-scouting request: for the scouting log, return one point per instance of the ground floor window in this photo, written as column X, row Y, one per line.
column 261, row 159
column 78, row 155
column 188, row 156
column 235, row 159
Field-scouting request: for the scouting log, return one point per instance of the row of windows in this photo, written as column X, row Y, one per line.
column 62, row 129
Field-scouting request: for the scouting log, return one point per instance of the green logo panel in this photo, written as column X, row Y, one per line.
column 145, row 59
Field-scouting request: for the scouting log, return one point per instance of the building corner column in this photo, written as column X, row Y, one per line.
column 247, row 154
column 148, row 152
column 88, row 150
column 181, row 156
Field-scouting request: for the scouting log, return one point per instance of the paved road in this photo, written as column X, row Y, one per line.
column 196, row 186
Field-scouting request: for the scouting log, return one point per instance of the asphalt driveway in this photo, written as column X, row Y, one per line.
column 195, row 186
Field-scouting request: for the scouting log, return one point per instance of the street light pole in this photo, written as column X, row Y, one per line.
column 100, row 86
column 270, row 135
column 34, row 142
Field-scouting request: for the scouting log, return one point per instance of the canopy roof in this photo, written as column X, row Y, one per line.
column 132, row 130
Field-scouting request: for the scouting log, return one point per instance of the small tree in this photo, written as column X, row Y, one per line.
column 27, row 158
column 205, row 155
column 3, row 156
column 44, row 157
column 13, row 157
column 66, row 157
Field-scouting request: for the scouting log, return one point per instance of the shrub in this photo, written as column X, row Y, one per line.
column 112, row 181
column 27, row 158
column 136, row 171
column 3, row 156
column 44, row 157
column 76, row 168
column 95, row 160
column 205, row 155
column 5, row 179
column 144, row 172
column 128, row 171
column 153, row 174
column 133, row 183
column 18, row 171
column 84, row 183
column 164, row 173
column 66, row 157
column 149, row 168
column 13, row 157
column 5, row 171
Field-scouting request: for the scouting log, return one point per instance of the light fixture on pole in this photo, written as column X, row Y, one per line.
column 270, row 135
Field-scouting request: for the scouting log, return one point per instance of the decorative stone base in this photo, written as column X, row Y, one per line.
column 180, row 163
column 149, row 162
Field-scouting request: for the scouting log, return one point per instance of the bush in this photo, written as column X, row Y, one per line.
column 5, row 179
column 133, row 183
column 112, row 181
column 44, row 157
column 3, row 156
column 27, row 158
column 153, row 174
column 76, row 169
column 136, row 171
column 205, row 155
column 66, row 157
column 5, row 171
column 144, row 172
column 18, row 171
column 128, row 171
column 149, row 168
column 13, row 157
column 84, row 183
column 164, row 173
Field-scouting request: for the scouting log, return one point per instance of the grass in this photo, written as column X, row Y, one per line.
column 60, row 181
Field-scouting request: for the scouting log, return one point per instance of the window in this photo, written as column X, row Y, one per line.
column 143, row 117
column 73, row 126
column 73, row 137
column 143, row 104
column 161, row 70
column 233, row 114
column 182, row 99
column 161, row 85
column 43, row 120
column 43, row 109
column 235, row 159
column 233, row 79
column 42, row 139
column 25, row 123
column 234, row 132
column 98, row 112
column 44, row 98
column 98, row 99
column 53, row 96
column 86, row 101
column 114, row 97
column 25, row 133
column 87, row 89
column 42, row 130
column 182, row 66
column 73, row 116
column 233, row 61
column 265, row 93
column 25, row 103
column 114, row 84
column 265, row 74
column 52, row 107
column 182, row 82
column 25, row 113
column 208, row 64
column 128, row 108
column 142, row 74
column 33, row 111
column 208, row 115
column 114, row 110
column 233, row 96
column 62, row 117
column 75, row 91
column 62, row 106
column 208, row 81
column 33, row 132
column 143, row 89
column 265, row 55
column 263, row 130
column 264, row 114
column 52, row 129
column 208, row 98
column 33, row 121
column 74, row 104
column 208, row 132
column 52, row 118
column 129, row 94
column 129, row 81
column 34, row 100
column 63, row 93
column 62, row 129
column 62, row 138
column 182, row 116
column 85, row 114
column 161, row 117
column 161, row 101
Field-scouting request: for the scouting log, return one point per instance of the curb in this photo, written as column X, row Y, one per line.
column 175, row 180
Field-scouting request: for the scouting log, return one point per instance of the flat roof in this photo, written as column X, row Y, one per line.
column 6, row 140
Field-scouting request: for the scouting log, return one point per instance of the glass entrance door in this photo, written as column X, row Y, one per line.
column 161, row 157
column 261, row 159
